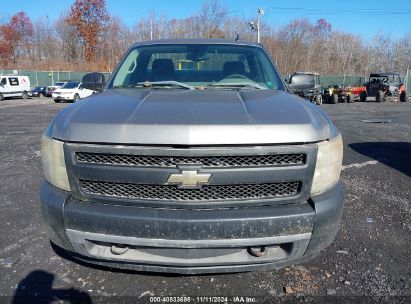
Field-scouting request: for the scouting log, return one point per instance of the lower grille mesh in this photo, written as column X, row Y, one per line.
column 206, row 193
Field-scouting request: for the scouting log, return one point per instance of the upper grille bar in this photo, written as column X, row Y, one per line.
column 220, row 161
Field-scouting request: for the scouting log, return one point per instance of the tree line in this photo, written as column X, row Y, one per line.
column 87, row 38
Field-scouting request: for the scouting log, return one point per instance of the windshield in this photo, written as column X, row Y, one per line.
column 59, row 83
column 378, row 79
column 70, row 85
column 302, row 79
column 392, row 78
column 197, row 66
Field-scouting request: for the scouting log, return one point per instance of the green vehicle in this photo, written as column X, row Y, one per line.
column 306, row 85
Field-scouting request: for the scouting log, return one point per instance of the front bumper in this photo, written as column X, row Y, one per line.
column 191, row 241
column 307, row 95
column 63, row 97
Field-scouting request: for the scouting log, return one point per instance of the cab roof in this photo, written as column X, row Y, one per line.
column 305, row 73
column 197, row 41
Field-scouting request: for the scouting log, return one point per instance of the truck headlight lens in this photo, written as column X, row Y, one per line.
column 328, row 166
column 54, row 166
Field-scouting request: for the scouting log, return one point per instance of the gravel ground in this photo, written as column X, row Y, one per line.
column 369, row 262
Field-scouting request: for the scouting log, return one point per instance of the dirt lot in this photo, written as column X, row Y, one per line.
column 369, row 262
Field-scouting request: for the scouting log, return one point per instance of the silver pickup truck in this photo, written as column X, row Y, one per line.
column 193, row 158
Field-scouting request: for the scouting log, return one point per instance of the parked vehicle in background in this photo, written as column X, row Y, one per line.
column 50, row 90
column 38, row 92
column 71, row 91
column 381, row 85
column 217, row 169
column 14, row 86
column 394, row 83
column 306, row 85
column 338, row 93
column 376, row 87
column 60, row 83
column 356, row 91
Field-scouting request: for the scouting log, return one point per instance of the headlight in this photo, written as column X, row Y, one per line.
column 52, row 155
column 328, row 166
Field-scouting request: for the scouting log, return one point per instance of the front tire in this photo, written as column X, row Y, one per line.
column 56, row 100
column 1, row 97
column 334, row 99
column 363, row 96
column 76, row 98
column 403, row 96
column 24, row 95
column 326, row 98
column 380, row 96
column 319, row 99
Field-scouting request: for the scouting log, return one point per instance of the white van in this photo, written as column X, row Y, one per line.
column 14, row 86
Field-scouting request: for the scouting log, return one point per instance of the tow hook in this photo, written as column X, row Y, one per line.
column 257, row 251
column 118, row 250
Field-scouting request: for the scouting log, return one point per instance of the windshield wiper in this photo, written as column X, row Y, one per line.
column 167, row 83
column 239, row 84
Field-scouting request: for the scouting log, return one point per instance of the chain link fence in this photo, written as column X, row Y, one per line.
column 46, row 78
column 356, row 81
column 352, row 81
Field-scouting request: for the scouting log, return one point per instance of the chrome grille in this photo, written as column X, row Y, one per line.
column 205, row 161
column 206, row 193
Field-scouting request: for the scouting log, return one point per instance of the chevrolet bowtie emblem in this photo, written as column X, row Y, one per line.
column 189, row 179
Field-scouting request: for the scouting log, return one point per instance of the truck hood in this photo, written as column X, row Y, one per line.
column 192, row 117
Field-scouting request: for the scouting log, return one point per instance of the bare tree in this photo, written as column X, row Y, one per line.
column 69, row 44
column 210, row 19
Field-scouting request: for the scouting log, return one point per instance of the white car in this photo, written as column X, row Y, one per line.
column 71, row 91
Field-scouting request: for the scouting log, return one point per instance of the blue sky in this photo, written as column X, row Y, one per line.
column 361, row 17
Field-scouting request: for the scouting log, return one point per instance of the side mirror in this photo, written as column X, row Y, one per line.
column 94, row 81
